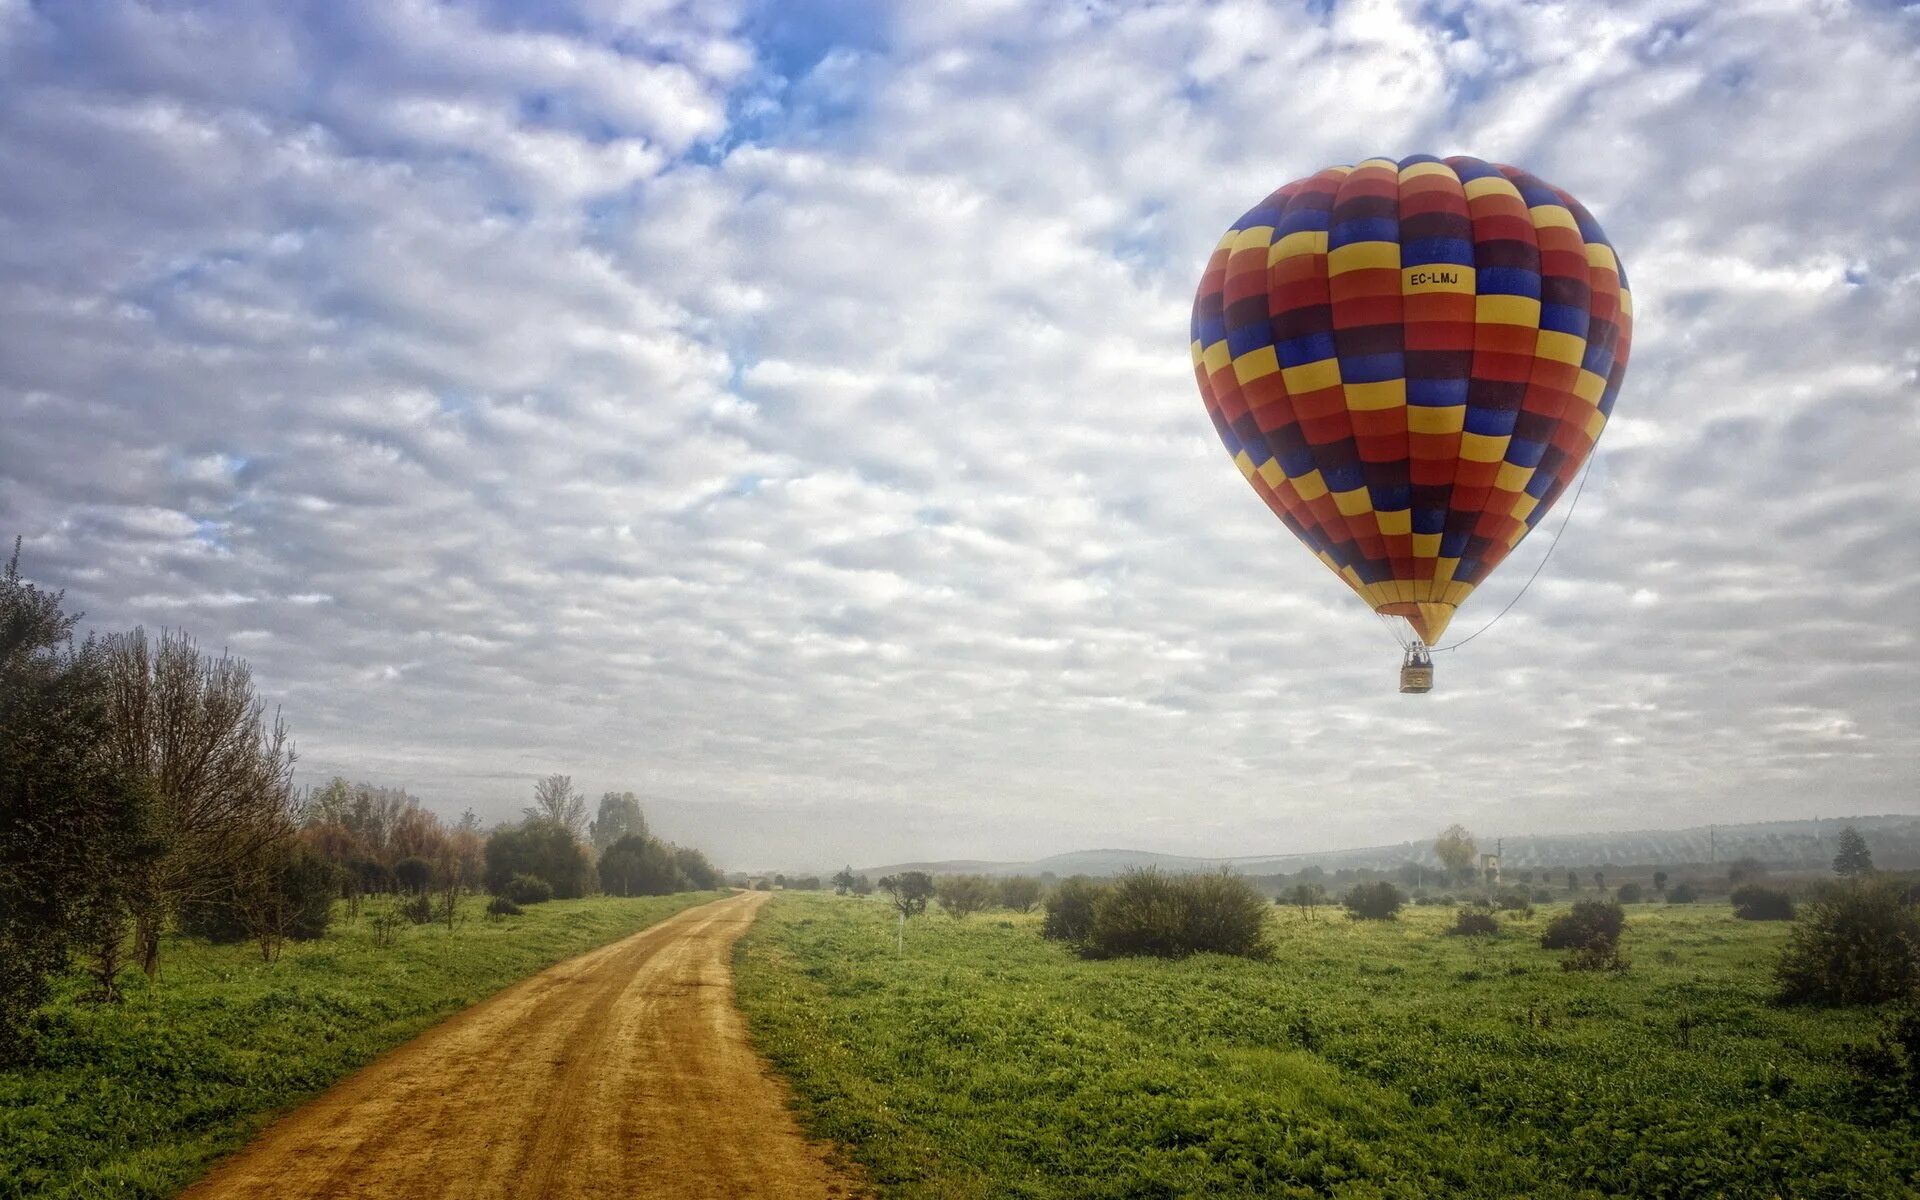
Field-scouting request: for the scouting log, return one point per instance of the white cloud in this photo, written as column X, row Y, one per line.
column 807, row 438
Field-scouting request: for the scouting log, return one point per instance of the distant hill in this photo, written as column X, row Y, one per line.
column 1894, row 839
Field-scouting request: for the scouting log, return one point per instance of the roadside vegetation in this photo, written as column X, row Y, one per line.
column 138, row 1098
column 187, row 939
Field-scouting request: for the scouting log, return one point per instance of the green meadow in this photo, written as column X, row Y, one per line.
column 136, row 1099
column 1364, row 1059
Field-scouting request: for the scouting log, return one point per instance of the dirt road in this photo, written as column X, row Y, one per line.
column 624, row 1072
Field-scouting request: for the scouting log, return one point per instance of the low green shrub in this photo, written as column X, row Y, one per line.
column 1856, row 943
column 1588, row 921
column 1377, row 901
column 1069, row 909
column 502, row 906
column 528, row 889
column 1474, row 922
column 1172, row 916
column 1752, row 902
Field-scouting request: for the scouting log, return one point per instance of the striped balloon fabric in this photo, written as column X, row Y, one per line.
column 1410, row 361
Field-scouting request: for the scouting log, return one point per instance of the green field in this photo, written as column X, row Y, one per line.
column 1364, row 1060
column 137, row 1099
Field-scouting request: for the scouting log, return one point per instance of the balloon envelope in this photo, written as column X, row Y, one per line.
column 1410, row 361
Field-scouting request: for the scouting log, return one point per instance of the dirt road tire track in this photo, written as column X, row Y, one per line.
column 625, row 1072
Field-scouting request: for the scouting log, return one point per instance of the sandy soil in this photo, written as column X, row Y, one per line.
column 624, row 1072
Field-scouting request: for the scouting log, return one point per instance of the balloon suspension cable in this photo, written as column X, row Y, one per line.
column 1572, row 504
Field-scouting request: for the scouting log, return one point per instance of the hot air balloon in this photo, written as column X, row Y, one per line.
column 1410, row 362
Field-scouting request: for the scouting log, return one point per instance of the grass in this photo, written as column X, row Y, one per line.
column 137, row 1099
column 1371, row 1059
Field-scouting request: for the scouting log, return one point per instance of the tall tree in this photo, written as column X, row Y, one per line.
column 555, row 802
column 1455, row 847
column 619, row 817
column 220, row 773
column 1854, row 858
column 71, row 826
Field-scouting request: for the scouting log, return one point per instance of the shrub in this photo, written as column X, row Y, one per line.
column 413, row 874
column 1516, row 901
column 1543, row 895
column 1630, row 893
column 1887, row 1071
column 1148, row 913
column 502, row 906
column 1587, row 922
column 542, row 849
column 1685, row 892
column 960, row 896
column 527, row 889
column 1857, row 944
column 1070, row 909
column 417, row 908
column 639, row 864
column 1377, row 901
column 1751, row 902
column 1020, row 892
column 1474, row 922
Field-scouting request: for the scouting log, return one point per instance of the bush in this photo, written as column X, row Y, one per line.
column 1887, row 1071
column 1377, row 901
column 1685, row 892
column 1543, row 895
column 1587, row 922
column 413, row 874
column 1474, row 922
column 527, row 889
column 1517, row 901
column 417, row 908
column 1855, row 944
column 502, row 906
column 1630, row 893
column 1166, row 916
column 961, row 896
column 542, row 849
column 1020, row 892
column 1752, row 902
column 640, row 864
column 1070, row 910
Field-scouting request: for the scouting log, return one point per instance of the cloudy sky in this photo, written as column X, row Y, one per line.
column 783, row 409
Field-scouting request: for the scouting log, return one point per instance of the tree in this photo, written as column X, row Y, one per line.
column 191, row 727
column 1021, row 893
column 1573, row 881
column 961, row 896
column 843, row 880
column 1600, row 880
column 1745, row 870
column 1455, row 846
column 695, row 869
column 909, row 892
column 1306, row 897
column 1660, row 882
column 862, row 886
column 1854, row 858
column 541, row 849
column 413, row 874
column 555, row 802
column 619, row 816
column 72, row 826
column 639, row 865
